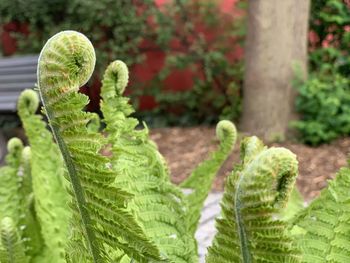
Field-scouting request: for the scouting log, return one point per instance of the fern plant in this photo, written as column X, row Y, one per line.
column 62, row 200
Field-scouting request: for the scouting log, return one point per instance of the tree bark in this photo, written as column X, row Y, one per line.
column 276, row 39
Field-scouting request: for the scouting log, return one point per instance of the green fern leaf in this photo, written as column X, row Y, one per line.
column 200, row 181
column 102, row 222
column 250, row 229
column 11, row 248
column 157, row 204
column 48, row 183
column 324, row 226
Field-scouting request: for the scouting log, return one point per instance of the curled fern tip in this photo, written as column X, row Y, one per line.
column 67, row 58
column 14, row 145
column 115, row 79
column 28, row 100
column 224, row 128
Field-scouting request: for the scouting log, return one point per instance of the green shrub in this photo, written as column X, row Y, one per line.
column 323, row 100
column 329, row 22
column 324, row 105
column 214, row 59
column 117, row 27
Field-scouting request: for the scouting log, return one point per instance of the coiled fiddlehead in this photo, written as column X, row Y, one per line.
column 157, row 204
column 48, row 183
column 65, row 63
column 250, row 229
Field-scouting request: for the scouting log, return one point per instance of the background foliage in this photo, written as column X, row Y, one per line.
column 208, row 43
column 323, row 100
column 183, row 29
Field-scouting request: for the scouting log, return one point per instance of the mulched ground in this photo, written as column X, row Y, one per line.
column 184, row 148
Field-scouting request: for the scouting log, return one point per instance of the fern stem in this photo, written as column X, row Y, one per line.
column 246, row 256
column 72, row 84
column 77, row 189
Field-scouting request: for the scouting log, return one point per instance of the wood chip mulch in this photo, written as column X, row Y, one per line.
column 185, row 148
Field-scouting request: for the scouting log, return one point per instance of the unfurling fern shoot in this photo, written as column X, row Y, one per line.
column 200, row 181
column 157, row 204
column 101, row 221
column 250, row 229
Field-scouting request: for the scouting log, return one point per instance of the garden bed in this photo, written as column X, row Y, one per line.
column 184, row 148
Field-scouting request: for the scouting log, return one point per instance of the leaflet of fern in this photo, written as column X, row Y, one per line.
column 201, row 179
column 324, row 226
column 48, row 182
column 157, row 204
column 10, row 182
column 250, row 229
column 12, row 249
column 66, row 63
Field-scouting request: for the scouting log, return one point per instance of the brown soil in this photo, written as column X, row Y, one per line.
column 184, row 148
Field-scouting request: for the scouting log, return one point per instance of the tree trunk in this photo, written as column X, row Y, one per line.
column 276, row 40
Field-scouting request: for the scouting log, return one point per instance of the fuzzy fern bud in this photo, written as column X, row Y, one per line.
column 66, row 63
column 15, row 146
column 226, row 129
column 115, row 79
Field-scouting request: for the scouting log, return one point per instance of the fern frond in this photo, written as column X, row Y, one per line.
column 324, row 226
column 48, row 182
column 12, row 249
column 9, row 186
column 141, row 170
column 200, row 181
column 250, row 229
column 66, row 62
column 29, row 226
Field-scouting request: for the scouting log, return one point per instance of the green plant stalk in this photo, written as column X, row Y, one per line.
column 244, row 243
